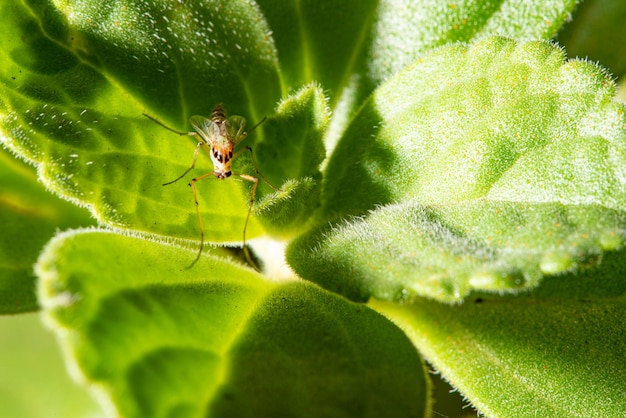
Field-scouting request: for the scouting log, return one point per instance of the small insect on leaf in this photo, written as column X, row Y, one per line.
column 218, row 137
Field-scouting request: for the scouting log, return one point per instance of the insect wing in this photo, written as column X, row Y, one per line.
column 234, row 126
column 204, row 126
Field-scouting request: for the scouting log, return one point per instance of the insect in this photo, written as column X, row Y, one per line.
column 219, row 136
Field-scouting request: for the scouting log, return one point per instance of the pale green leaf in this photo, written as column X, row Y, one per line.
column 480, row 167
column 406, row 29
column 352, row 46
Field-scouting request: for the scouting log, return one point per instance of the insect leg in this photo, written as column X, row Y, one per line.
column 255, row 182
column 236, row 125
column 195, row 198
column 195, row 155
column 167, row 127
column 256, row 168
column 254, row 127
column 193, row 164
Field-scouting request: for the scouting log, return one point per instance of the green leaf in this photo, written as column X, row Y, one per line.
column 485, row 167
column 293, row 149
column 401, row 251
column 180, row 59
column 405, row 30
column 352, row 46
column 555, row 352
column 29, row 216
column 75, row 85
column 326, row 43
column 218, row 340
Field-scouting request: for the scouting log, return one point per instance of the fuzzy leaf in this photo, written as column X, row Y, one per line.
column 294, row 149
column 352, row 46
column 180, row 59
column 406, row 29
column 75, row 85
column 555, row 352
column 480, row 167
column 218, row 340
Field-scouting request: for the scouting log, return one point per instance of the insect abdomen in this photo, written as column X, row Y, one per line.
column 218, row 115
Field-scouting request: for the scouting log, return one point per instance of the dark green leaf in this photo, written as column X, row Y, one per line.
column 178, row 58
column 29, row 216
column 597, row 33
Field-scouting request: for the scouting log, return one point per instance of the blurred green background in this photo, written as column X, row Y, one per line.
column 33, row 379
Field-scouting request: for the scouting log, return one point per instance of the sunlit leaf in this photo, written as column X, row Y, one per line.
column 480, row 167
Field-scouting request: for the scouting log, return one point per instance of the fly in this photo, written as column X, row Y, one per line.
column 219, row 136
